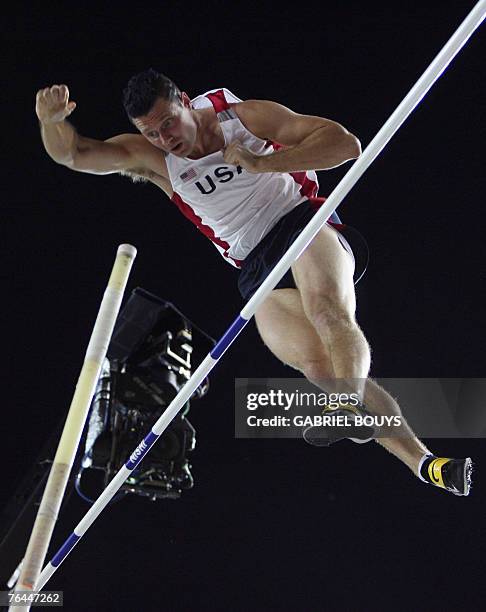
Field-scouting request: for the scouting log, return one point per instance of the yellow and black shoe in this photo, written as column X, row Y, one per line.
column 333, row 424
column 453, row 475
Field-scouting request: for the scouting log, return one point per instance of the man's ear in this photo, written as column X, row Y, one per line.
column 185, row 99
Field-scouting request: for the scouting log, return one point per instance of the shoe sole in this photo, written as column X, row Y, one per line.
column 320, row 436
column 468, row 466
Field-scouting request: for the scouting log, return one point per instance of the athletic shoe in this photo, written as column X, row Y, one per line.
column 339, row 424
column 453, row 475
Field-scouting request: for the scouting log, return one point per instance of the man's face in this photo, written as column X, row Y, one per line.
column 169, row 126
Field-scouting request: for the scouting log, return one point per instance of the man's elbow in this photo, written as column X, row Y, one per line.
column 68, row 162
column 62, row 160
column 60, row 156
column 346, row 144
column 353, row 146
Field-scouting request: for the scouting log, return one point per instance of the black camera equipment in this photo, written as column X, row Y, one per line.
column 153, row 350
column 152, row 353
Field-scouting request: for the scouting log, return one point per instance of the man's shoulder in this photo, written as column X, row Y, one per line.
column 249, row 111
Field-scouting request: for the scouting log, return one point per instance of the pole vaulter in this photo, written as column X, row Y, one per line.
column 413, row 98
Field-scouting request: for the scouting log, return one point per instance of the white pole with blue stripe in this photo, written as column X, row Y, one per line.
column 413, row 98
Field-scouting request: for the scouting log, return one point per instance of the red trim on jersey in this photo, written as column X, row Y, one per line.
column 189, row 213
column 218, row 100
column 308, row 187
column 316, row 202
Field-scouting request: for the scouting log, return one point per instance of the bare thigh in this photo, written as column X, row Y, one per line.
column 285, row 329
column 324, row 276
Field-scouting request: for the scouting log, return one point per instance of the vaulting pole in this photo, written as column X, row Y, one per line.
column 74, row 425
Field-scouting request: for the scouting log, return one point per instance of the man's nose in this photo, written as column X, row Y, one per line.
column 165, row 138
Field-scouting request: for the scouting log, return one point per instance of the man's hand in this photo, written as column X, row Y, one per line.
column 52, row 104
column 238, row 155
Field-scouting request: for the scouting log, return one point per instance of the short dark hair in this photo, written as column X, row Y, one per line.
column 144, row 88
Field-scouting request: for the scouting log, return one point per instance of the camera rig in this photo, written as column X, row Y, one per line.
column 151, row 355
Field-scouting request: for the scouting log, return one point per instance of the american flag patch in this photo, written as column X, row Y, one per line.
column 188, row 175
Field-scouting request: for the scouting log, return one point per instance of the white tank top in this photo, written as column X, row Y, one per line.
column 234, row 208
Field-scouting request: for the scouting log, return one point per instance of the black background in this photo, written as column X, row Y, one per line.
column 270, row 524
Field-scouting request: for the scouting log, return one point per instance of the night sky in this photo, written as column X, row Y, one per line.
column 270, row 524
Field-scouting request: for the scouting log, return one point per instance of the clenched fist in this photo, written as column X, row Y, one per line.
column 238, row 155
column 52, row 104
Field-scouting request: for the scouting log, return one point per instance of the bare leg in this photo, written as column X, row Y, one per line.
column 324, row 275
column 314, row 330
column 407, row 447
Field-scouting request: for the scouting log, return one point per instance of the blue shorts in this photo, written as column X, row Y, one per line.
column 264, row 257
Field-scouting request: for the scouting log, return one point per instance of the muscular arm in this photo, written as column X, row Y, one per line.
column 312, row 143
column 128, row 154
column 65, row 146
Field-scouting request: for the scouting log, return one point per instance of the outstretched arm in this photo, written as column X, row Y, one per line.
column 127, row 153
column 65, row 146
column 311, row 143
